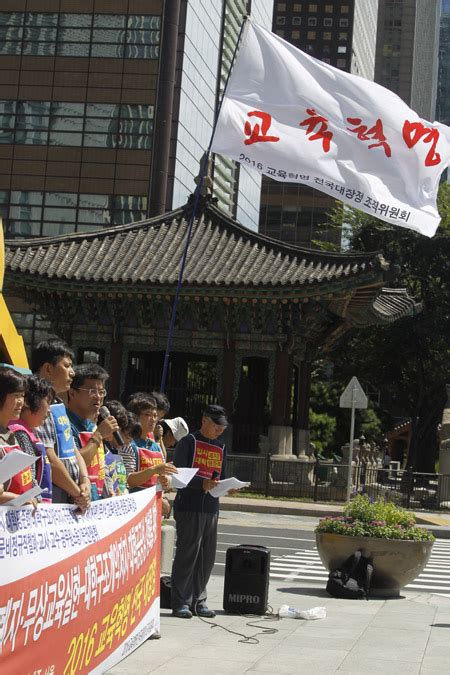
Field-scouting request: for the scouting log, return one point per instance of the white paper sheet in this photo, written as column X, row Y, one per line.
column 183, row 477
column 225, row 485
column 14, row 462
column 20, row 500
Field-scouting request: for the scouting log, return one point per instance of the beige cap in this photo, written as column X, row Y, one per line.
column 178, row 427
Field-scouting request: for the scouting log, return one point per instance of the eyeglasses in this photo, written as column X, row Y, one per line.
column 93, row 392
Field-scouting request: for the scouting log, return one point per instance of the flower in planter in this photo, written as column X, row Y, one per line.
column 383, row 520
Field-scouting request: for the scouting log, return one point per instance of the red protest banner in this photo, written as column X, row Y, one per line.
column 88, row 609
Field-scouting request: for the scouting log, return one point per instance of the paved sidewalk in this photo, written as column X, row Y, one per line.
column 410, row 634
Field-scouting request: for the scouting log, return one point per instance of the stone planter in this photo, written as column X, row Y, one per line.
column 396, row 563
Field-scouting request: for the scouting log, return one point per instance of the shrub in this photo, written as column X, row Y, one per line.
column 384, row 520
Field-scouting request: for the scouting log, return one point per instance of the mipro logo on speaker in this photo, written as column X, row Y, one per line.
column 249, row 599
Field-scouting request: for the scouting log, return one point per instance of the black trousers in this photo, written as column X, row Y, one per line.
column 194, row 557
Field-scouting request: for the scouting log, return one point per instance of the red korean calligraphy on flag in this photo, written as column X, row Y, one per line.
column 297, row 119
column 78, row 593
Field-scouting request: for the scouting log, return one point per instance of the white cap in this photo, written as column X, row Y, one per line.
column 178, row 427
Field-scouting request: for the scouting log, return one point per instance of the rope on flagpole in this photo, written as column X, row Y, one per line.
column 197, row 194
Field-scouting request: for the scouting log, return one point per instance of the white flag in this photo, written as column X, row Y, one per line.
column 298, row 120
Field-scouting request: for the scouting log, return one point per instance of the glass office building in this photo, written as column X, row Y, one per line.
column 78, row 90
column 443, row 96
column 78, row 117
column 211, row 31
column 88, row 90
column 407, row 51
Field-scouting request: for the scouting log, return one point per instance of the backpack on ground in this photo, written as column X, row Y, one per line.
column 353, row 579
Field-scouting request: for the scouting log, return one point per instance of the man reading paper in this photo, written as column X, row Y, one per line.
column 196, row 514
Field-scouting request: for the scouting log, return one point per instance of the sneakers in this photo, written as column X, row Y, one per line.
column 182, row 612
column 204, row 612
column 185, row 613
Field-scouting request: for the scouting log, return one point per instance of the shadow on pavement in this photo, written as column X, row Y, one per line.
column 322, row 593
column 298, row 590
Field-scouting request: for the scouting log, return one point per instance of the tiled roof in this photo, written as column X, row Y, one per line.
column 394, row 303
column 222, row 253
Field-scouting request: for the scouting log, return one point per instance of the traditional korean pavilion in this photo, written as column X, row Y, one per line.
column 254, row 313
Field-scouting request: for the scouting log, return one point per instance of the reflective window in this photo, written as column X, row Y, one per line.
column 75, row 20
column 64, row 212
column 98, row 35
column 53, row 229
column 7, row 121
column 45, row 20
column 38, row 49
column 66, row 199
column 11, row 33
column 39, row 34
column 60, row 215
column 109, row 21
column 94, row 201
column 141, row 52
column 98, row 125
column 95, row 216
column 18, row 197
column 72, row 49
column 74, row 35
column 101, row 109
column 65, row 138
column 67, row 118
column 102, row 125
column 18, row 228
column 32, row 122
column 116, row 36
column 107, row 51
column 10, row 47
column 25, row 212
column 11, row 18
column 147, row 22
column 143, row 37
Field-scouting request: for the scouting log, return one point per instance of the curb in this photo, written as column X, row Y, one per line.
column 440, row 527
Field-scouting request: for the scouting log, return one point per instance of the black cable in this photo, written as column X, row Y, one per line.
column 246, row 639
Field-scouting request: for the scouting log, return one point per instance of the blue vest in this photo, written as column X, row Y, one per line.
column 64, row 437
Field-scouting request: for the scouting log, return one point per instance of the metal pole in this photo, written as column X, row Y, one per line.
column 198, row 191
column 350, row 451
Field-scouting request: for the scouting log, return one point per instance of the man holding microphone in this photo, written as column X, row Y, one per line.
column 196, row 514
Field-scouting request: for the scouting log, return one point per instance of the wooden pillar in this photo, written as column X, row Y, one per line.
column 115, row 369
column 303, row 395
column 229, row 367
column 280, row 430
column 282, row 388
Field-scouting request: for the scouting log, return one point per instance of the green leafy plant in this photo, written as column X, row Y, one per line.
column 383, row 520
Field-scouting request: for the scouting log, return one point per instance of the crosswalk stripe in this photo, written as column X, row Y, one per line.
column 305, row 565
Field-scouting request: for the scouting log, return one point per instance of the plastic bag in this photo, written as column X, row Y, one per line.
column 286, row 612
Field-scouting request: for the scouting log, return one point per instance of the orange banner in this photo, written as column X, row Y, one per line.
column 86, row 612
column 207, row 459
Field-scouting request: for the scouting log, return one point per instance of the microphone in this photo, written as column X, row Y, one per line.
column 215, row 475
column 103, row 413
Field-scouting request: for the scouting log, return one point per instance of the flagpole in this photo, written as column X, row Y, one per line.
column 197, row 193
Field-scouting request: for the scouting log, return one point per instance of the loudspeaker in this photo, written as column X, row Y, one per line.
column 246, row 585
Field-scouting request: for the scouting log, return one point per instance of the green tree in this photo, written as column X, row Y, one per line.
column 408, row 361
column 329, row 424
